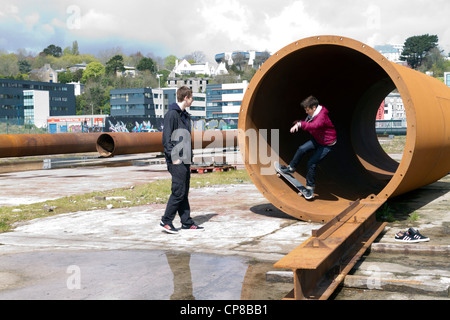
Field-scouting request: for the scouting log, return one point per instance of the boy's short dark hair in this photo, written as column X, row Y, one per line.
column 310, row 102
column 183, row 92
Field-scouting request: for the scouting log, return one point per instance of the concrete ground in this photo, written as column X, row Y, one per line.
column 121, row 253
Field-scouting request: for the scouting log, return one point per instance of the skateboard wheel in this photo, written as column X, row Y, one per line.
column 279, row 175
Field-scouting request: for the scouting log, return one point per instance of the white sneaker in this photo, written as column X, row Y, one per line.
column 309, row 193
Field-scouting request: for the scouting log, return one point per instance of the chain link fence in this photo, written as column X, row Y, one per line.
column 14, row 125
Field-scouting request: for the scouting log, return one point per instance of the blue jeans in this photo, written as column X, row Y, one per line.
column 319, row 153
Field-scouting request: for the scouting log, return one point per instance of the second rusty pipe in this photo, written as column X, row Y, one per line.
column 117, row 143
column 22, row 145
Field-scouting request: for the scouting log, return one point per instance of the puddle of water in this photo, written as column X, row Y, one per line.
column 131, row 274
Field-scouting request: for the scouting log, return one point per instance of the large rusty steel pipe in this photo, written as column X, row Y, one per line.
column 119, row 143
column 350, row 79
column 21, row 145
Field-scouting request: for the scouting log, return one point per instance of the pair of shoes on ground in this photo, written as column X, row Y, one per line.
column 169, row 228
column 411, row 235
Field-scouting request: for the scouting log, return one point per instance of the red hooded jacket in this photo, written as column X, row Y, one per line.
column 320, row 127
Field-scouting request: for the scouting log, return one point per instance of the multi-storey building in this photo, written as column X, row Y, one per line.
column 31, row 102
column 224, row 100
column 151, row 103
column 141, row 102
column 195, row 84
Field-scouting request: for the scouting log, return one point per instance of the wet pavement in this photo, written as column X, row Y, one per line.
column 121, row 253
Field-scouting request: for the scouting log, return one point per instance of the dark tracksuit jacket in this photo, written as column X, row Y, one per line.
column 177, row 145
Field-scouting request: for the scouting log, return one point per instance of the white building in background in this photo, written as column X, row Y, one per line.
column 195, row 84
column 251, row 57
column 198, row 106
column 78, row 88
column 36, row 104
column 224, row 100
column 392, row 52
column 183, row 67
column 393, row 107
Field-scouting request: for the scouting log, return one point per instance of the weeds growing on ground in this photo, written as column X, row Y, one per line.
column 153, row 192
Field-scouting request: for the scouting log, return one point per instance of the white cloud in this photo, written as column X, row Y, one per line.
column 230, row 18
column 10, row 10
column 48, row 29
column 31, row 20
column 98, row 24
column 213, row 26
column 292, row 24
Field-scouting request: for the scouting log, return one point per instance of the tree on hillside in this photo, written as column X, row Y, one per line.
column 9, row 65
column 75, row 49
column 196, row 57
column 94, row 70
column 435, row 61
column 260, row 59
column 53, row 50
column 67, row 76
column 146, row 64
column 416, row 48
column 169, row 62
column 24, row 66
column 240, row 61
column 115, row 64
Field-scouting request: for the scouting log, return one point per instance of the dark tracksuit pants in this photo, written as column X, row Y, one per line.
column 178, row 201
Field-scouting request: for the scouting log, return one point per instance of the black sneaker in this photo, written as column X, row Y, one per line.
column 168, row 227
column 411, row 236
column 417, row 236
column 403, row 237
column 192, row 227
column 287, row 169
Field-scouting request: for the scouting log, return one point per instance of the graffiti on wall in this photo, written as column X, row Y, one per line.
column 121, row 124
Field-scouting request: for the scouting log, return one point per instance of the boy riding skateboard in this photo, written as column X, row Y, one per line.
column 319, row 125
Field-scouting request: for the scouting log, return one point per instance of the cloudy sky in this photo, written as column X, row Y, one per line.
column 177, row 27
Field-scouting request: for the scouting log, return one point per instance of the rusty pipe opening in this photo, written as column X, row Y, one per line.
column 350, row 79
column 105, row 145
column 119, row 143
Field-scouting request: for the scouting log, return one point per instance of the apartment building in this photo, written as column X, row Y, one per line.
column 142, row 102
column 151, row 103
column 31, row 102
column 224, row 100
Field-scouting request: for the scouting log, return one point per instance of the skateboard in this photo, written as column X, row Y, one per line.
column 294, row 182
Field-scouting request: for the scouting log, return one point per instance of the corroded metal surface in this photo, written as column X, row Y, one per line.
column 357, row 177
column 351, row 80
column 116, row 143
column 21, row 145
column 107, row 144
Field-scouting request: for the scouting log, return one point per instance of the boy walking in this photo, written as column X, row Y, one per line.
column 319, row 125
column 178, row 153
